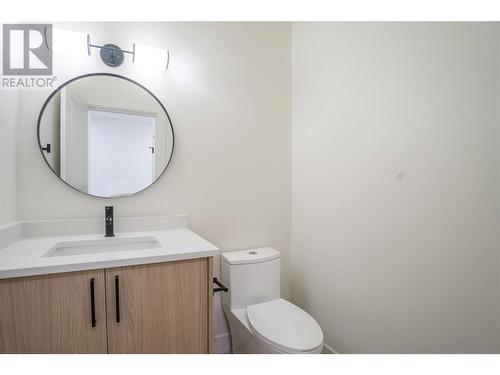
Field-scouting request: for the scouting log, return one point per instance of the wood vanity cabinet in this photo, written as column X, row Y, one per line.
column 161, row 308
column 154, row 308
column 53, row 314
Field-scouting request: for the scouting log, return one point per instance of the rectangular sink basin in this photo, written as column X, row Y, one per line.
column 105, row 245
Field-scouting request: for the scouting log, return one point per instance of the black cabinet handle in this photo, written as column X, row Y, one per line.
column 92, row 302
column 117, row 297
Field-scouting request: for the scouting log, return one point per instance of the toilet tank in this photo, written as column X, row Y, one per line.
column 252, row 276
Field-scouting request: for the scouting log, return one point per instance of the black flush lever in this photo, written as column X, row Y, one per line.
column 221, row 287
column 47, row 148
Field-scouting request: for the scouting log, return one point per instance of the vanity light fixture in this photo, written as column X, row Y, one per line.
column 113, row 56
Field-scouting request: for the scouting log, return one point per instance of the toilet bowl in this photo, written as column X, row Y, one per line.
column 259, row 320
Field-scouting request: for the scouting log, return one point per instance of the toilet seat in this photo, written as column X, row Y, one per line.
column 284, row 326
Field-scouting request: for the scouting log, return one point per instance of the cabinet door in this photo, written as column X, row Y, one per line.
column 161, row 308
column 53, row 313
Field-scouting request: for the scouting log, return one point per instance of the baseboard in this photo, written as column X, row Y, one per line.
column 327, row 349
column 222, row 344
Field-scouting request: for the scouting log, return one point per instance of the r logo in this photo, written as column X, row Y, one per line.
column 27, row 49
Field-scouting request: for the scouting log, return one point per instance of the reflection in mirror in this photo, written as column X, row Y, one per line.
column 108, row 136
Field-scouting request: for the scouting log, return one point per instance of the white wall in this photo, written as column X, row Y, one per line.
column 228, row 93
column 395, row 185
column 8, row 133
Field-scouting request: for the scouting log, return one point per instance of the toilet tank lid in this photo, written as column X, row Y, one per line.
column 261, row 254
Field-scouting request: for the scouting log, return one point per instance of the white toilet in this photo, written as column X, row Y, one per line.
column 260, row 321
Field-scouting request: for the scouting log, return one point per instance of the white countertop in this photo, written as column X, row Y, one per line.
column 25, row 257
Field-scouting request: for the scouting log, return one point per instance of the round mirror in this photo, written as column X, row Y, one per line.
column 105, row 135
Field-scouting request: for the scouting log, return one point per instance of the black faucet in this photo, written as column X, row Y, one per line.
column 108, row 221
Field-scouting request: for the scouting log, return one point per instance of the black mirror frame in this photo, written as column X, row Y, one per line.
column 59, row 88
